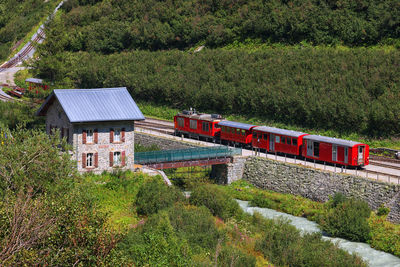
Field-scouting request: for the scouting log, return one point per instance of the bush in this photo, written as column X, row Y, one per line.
column 155, row 244
column 154, row 195
column 347, row 218
column 382, row 210
column 217, row 201
column 196, row 225
column 283, row 245
column 231, row 256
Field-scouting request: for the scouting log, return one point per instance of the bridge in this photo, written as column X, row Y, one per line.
column 178, row 158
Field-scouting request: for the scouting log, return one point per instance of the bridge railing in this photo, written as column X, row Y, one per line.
column 186, row 154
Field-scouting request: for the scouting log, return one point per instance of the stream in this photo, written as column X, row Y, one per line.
column 373, row 257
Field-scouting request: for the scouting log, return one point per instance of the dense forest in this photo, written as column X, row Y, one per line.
column 276, row 60
column 17, row 18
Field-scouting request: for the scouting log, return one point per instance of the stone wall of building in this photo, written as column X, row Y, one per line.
column 162, row 143
column 103, row 147
column 319, row 185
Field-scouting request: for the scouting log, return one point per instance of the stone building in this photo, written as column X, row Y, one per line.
column 98, row 123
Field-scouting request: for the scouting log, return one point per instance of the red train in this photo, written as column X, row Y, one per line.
column 270, row 139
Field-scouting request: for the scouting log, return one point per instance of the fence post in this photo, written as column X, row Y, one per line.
column 314, row 163
column 285, row 157
column 276, row 156
column 294, row 159
column 324, row 165
column 335, row 167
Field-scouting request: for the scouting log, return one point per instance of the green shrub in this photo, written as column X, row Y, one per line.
column 216, row 200
column 196, row 225
column 234, row 257
column 382, row 210
column 155, row 244
column 347, row 218
column 154, row 195
column 283, row 245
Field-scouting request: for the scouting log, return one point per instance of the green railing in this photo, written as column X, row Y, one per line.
column 186, row 154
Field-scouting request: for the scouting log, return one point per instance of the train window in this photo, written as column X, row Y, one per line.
column 288, row 140
column 283, row 139
column 243, row 132
column 205, row 126
column 265, row 136
column 181, row 122
column 193, row 124
column 233, row 130
column 294, row 141
column 216, row 126
column 316, row 149
column 277, row 139
column 238, row 131
column 254, row 135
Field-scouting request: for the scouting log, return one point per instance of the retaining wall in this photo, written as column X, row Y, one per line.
column 162, row 143
column 319, row 185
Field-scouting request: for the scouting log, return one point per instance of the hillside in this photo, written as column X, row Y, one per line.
column 17, row 19
column 280, row 61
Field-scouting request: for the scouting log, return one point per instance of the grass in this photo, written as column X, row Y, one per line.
column 166, row 113
column 114, row 194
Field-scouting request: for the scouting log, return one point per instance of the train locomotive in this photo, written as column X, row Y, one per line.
column 213, row 127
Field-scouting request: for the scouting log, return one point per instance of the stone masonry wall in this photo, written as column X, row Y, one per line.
column 162, row 143
column 319, row 185
column 103, row 147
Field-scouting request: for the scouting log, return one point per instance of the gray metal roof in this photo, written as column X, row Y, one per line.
column 34, row 80
column 234, row 124
column 331, row 140
column 89, row 105
column 278, row 131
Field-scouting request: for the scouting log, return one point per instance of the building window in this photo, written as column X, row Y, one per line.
column 193, row 124
column 117, row 135
column 181, row 122
column 89, row 160
column 117, row 158
column 89, row 136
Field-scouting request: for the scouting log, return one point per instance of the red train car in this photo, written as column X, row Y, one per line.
column 338, row 151
column 236, row 132
column 278, row 140
column 197, row 125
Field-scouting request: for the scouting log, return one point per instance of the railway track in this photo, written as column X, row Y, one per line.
column 20, row 56
column 166, row 127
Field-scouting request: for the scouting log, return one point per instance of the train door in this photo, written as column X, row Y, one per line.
column 360, row 155
column 334, row 152
column 271, row 142
column 346, row 155
column 310, row 148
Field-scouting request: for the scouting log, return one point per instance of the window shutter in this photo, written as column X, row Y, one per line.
column 123, row 134
column 84, row 137
column 111, row 159
column 96, row 136
column 111, row 135
column 123, row 158
column 83, row 160
column 96, row 160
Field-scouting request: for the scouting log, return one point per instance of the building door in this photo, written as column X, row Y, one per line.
column 346, row 154
column 271, row 142
column 310, row 148
column 334, row 152
column 360, row 155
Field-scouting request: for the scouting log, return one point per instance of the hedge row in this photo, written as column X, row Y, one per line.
column 353, row 90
